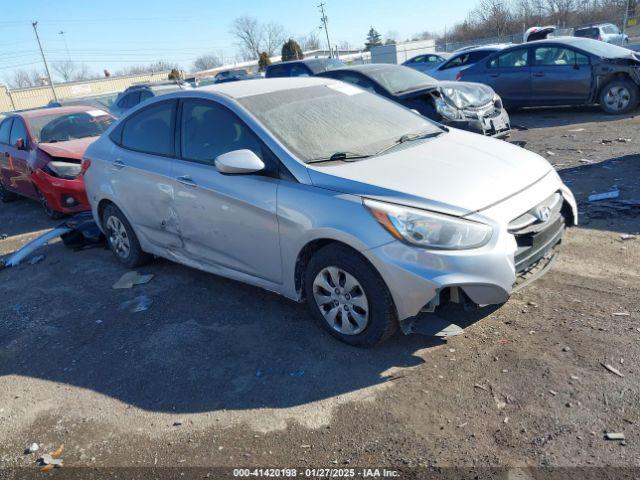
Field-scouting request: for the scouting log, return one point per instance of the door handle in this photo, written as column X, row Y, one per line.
column 538, row 74
column 494, row 75
column 187, row 180
column 118, row 165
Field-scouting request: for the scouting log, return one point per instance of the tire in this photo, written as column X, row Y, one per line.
column 6, row 196
column 121, row 238
column 618, row 97
column 49, row 212
column 381, row 320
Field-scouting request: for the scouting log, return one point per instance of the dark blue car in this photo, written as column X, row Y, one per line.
column 562, row 71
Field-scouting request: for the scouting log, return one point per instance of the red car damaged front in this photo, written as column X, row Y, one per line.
column 56, row 173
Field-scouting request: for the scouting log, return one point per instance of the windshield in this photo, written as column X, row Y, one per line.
column 587, row 32
column 317, row 122
column 69, row 126
column 398, row 79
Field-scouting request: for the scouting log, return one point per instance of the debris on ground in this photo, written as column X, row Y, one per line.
column 36, row 259
column 621, row 314
column 31, row 448
column 49, row 461
column 604, row 195
column 606, row 141
column 551, row 154
column 137, row 304
column 613, row 370
column 84, row 233
column 129, row 279
column 481, row 387
column 614, row 436
column 3, row 236
column 623, row 140
column 576, row 130
column 627, row 236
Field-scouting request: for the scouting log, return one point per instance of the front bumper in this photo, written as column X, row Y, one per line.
column 497, row 125
column 488, row 275
column 59, row 191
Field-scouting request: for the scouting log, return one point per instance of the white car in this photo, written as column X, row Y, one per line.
column 459, row 61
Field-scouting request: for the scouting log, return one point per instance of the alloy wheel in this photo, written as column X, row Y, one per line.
column 617, row 98
column 118, row 237
column 341, row 300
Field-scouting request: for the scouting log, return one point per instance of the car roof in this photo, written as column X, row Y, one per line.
column 40, row 112
column 492, row 46
column 315, row 64
column 592, row 25
column 247, row 88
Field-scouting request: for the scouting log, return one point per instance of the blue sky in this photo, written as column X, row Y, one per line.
column 115, row 33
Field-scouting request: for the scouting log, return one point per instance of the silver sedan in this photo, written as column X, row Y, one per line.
column 319, row 190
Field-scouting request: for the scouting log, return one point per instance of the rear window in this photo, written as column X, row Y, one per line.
column 592, row 32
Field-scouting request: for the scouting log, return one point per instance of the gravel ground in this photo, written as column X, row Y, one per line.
column 220, row 374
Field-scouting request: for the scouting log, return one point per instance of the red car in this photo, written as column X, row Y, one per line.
column 41, row 153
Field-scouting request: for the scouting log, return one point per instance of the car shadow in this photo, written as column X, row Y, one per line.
column 543, row 117
column 204, row 343
column 621, row 174
column 23, row 216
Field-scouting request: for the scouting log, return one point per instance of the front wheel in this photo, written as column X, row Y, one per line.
column 349, row 299
column 619, row 96
column 121, row 238
column 48, row 210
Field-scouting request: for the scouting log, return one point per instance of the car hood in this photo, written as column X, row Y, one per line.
column 70, row 149
column 467, row 94
column 456, row 173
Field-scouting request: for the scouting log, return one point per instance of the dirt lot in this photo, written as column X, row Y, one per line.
column 217, row 373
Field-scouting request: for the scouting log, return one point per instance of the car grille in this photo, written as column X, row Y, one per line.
column 537, row 231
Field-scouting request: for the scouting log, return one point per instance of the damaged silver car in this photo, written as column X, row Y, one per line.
column 465, row 105
column 318, row 190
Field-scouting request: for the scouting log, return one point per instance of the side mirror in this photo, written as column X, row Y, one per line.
column 20, row 145
column 239, row 162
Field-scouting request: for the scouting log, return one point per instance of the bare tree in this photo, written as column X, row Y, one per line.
column 495, row 14
column 273, row 37
column 83, row 72
column 66, row 69
column 249, row 35
column 310, row 41
column 20, row 79
column 206, row 62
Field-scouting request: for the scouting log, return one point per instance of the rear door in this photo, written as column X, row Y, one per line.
column 139, row 172
column 7, row 172
column 226, row 221
column 18, row 158
column 510, row 76
column 560, row 75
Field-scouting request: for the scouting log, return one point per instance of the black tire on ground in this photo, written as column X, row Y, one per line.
column 131, row 257
column 50, row 212
column 382, row 318
column 6, row 196
column 618, row 96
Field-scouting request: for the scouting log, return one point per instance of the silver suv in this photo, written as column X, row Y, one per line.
column 316, row 189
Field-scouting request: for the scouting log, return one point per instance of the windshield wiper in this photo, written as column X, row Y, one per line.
column 340, row 157
column 410, row 137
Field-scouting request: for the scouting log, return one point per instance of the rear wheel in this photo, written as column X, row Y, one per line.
column 619, row 96
column 349, row 299
column 48, row 210
column 121, row 238
column 5, row 195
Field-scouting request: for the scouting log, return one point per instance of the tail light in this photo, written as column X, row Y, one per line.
column 459, row 76
column 86, row 163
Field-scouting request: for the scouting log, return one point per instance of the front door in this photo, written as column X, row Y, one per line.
column 19, row 151
column 226, row 221
column 560, row 75
column 510, row 76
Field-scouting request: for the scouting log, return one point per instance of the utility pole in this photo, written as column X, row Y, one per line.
column 46, row 67
column 324, row 22
column 624, row 21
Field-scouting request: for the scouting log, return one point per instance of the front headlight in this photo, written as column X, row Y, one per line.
column 66, row 170
column 429, row 229
column 447, row 110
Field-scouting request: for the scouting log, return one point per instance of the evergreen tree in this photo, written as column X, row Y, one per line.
column 373, row 39
column 263, row 61
column 291, row 51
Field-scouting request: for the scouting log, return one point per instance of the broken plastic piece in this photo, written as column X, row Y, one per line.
column 129, row 279
column 138, row 304
column 18, row 256
column 604, row 196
